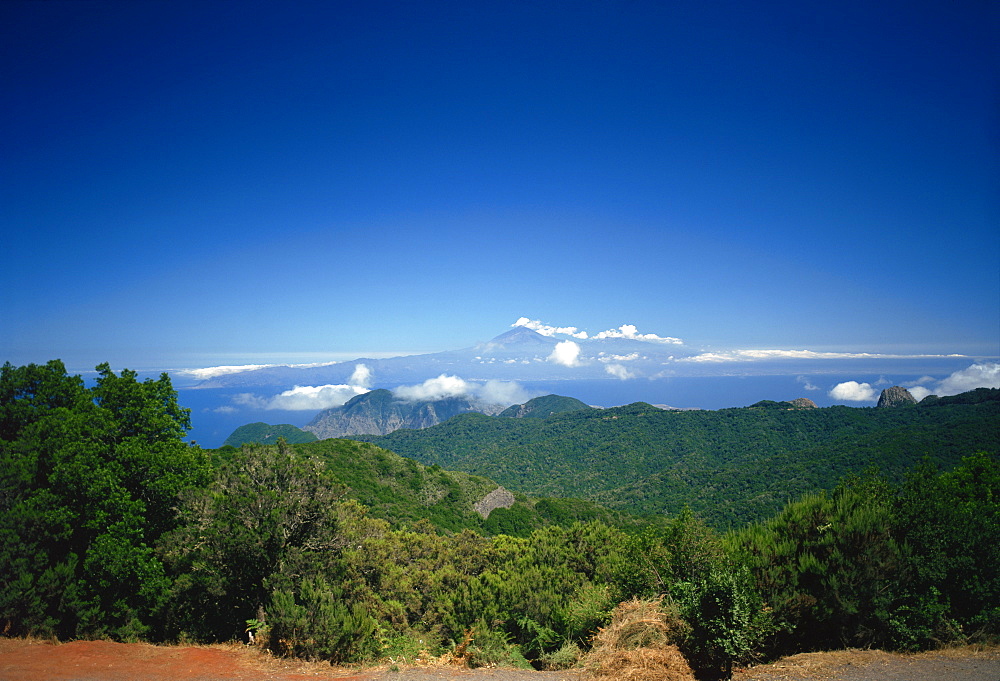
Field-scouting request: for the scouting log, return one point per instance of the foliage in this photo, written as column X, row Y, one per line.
column 947, row 525
column 89, row 478
column 823, row 565
column 727, row 618
column 543, row 407
column 266, row 511
column 402, row 490
column 315, row 622
column 732, row 466
column 266, row 434
column 873, row 565
column 111, row 526
column 490, row 647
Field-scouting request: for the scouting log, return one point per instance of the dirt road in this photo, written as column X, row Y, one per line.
column 23, row 660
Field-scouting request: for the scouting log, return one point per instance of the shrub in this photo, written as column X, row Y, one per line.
column 727, row 621
column 316, row 623
column 485, row 646
column 565, row 657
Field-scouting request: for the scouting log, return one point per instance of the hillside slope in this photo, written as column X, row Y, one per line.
column 266, row 434
column 731, row 466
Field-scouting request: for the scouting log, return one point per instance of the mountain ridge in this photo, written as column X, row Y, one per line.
column 379, row 412
column 641, row 459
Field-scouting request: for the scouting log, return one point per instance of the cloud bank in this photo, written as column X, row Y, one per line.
column 624, row 331
column 445, row 386
column 547, row 330
column 312, row 397
column 213, row 372
column 303, row 397
column 631, row 332
column 764, row 355
column 986, row 375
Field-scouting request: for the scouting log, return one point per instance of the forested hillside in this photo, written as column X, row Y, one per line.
column 732, row 466
column 266, row 434
column 111, row 526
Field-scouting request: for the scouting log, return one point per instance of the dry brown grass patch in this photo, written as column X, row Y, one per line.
column 639, row 644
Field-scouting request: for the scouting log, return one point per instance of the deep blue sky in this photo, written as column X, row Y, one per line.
column 189, row 183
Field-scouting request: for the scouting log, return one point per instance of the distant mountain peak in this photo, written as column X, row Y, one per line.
column 520, row 335
column 379, row 412
column 543, row 407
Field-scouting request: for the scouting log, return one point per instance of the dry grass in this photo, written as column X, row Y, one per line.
column 639, row 645
column 831, row 664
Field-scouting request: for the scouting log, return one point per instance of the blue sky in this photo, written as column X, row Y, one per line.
column 198, row 183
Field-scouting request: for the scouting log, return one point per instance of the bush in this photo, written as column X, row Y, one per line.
column 728, row 621
column 317, row 624
column 565, row 657
column 485, row 646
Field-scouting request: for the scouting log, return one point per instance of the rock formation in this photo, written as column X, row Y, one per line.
column 895, row 397
column 498, row 498
column 379, row 412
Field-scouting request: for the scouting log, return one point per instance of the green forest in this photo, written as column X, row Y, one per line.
column 745, row 463
column 113, row 527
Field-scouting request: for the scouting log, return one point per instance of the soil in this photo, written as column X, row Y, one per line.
column 32, row 660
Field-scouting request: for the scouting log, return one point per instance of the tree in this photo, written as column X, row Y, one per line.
column 89, row 477
column 947, row 525
column 269, row 516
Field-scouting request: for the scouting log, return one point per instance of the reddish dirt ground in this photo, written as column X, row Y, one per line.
column 33, row 660
column 28, row 660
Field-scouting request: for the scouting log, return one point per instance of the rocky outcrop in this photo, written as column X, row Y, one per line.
column 803, row 403
column 895, row 397
column 498, row 498
column 379, row 413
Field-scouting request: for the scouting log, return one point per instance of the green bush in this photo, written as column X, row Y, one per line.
column 728, row 621
column 318, row 624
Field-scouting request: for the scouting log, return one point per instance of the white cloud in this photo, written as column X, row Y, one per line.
column 224, row 409
column 439, row 388
column 309, row 397
column 986, row 375
column 619, row 371
column 806, row 383
column 303, row 398
column 624, row 331
column 212, row 372
column 853, row 391
column 630, row 331
column 764, row 355
column 618, row 358
column 976, row 376
column 362, row 376
column 444, row 386
column 503, row 392
column 566, row 353
column 547, row 330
